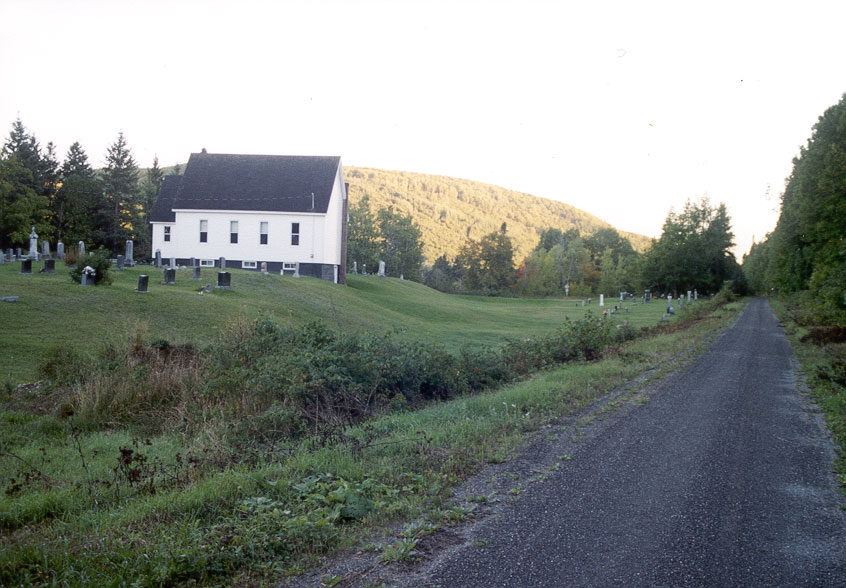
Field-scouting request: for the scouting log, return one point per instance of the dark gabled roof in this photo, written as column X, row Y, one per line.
column 276, row 183
column 163, row 209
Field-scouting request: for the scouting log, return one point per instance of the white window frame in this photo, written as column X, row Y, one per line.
column 295, row 235
column 249, row 264
column 289, row 266
column 167, row 233
column 204, row 224
column 206, row 263
column 264, row 232
column 233, row 224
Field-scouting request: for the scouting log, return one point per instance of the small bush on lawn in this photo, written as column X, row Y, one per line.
column 100, row 262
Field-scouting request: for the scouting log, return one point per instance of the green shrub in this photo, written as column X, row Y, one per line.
column 100, row 262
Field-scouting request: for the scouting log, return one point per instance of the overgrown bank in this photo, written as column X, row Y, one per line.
column 821, row 350
column 239, row 488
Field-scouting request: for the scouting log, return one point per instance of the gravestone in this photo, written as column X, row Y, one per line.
column 18, row 253
column 49, row 266
column 80, row 249
column 88, row 276
column 381, row 273
column 207, row 289
column 143, row 281
column 2, row 257
column 264, row 267
column 60, row 250
column 193, row 262
column 130, row 251
column 355, row 267
column 670, row 304
column 169, row 277
column 681, row 303
column 688, row 296
column 222, row 263
column 297, row 270
column 583, row 302
column 10, row 255
column 33, row 244
column 172, row 262
column 695, row 295
column 224, row 281
column 363, row 269
column 402, row 278
column 602, row 300
column 158, row 258
column 196, row 272
column 26, row 266
column 120, row 262
column 45, row 248
column 567, row 289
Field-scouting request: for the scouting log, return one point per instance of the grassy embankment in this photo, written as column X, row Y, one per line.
column 821, row 351
column 54, row 311
column 111, row 506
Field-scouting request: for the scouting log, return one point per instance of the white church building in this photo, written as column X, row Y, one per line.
column 287, row 211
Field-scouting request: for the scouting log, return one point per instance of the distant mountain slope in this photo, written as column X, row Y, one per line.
column 448, row 210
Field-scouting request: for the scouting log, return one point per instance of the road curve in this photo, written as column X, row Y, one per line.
column 722, row 479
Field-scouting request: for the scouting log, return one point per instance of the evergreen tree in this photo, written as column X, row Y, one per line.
column 123, row 212
column 79, row 205
column 25, row 148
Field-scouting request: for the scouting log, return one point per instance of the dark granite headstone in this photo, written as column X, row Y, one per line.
column 196, row 270
column 222, row 263
column 142, row 284
column 49, row 266
column 26, row 266
column 121, row 260
column 169, row 277
column 224, row 280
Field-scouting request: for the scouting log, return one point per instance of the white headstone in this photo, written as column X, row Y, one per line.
column 381, row 269
column 80, row 249
column 130, row 251
column 297, row 270
column 60, row 250
column 33, row 244
column 602, row 300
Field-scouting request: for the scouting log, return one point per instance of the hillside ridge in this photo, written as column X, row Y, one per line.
column 450, row 210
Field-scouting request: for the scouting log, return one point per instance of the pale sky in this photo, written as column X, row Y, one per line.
column 622, row 109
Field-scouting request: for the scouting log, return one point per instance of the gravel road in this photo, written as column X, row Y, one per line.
column 724, row 478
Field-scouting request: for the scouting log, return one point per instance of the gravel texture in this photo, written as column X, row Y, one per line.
column 724, row 478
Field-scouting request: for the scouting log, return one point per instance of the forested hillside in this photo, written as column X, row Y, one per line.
column 448, row 210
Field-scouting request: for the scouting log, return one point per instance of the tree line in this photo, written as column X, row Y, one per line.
column 70, row 201
column 693, row 252
column 806, row 253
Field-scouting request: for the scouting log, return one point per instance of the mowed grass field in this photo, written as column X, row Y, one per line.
column 54, row 311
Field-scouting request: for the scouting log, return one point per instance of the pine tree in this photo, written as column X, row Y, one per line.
column 79, row 201
column 123, row 211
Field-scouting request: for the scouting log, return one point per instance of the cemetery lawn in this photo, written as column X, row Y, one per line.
column 53, row 311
